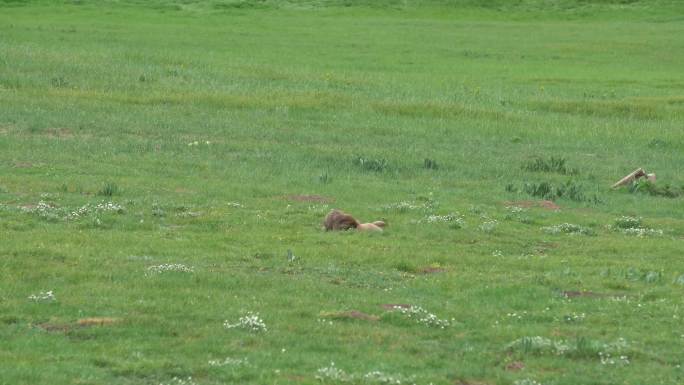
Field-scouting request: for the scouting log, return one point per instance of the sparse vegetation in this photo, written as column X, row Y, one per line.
column 552, row 164
column 547, row 190
column 159, row 188
column 643, row 186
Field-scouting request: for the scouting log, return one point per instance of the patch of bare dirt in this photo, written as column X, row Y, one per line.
column 431, row 270
column 58, row 132
column 546, row 205
column 515, row 366
column 575, row 294
column 309, row 198
column 97, row 321
column 54, row 327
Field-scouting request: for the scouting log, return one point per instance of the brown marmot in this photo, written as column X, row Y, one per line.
column 338, row 220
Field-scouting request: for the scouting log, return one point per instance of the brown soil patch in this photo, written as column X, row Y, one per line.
column 58, row 132
column 547, row 205
column 96, row 321
column 351, row 314
column 81, row 323
column 394, row 306
column 431, row 270
column 54, row 327
column 515, row 366
column 183, row 190
column 575, row 294
column 310, row 198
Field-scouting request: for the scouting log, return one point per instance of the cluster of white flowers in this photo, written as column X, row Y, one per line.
column 42, row 206
column 517, row 315
column 567, row 228
column 158, row 269
column 453, row 218
column 489, row 226
column 642, row 232
column 497, row 253
column 101, row 207
column 180, row 381
column 228, row 362
column 43, row 296
column 405, row 206
column 43, row 210
column 515, row 209
column 378, row 377
column 561, row 347
column 422, row 316
column 197, row 143
column 235, row 205
column 574, row 317
column 251, row 322
column 627, row 222
column 332, row 373
column 632, row 226
column 608, row 359
column 526, row 381
column 401, row 207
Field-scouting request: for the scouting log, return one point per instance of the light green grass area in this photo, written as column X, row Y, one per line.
column 165, row 167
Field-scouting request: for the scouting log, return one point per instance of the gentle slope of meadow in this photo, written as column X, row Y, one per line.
column 165, row 168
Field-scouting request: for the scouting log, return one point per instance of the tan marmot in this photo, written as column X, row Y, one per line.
column 338, row 220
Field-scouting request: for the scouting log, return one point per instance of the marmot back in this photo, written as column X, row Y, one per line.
column 338, row 220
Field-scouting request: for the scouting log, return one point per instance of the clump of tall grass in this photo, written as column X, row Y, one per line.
column 378, row 165
column 430, row 164
column 580, row 347
column 643, row 186
column 552, row 164
column 550, row 191
column 633, row 226
column 108, row 189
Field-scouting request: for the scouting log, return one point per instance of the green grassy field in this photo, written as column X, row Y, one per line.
column 165, row 168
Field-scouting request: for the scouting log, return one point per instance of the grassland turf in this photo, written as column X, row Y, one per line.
column 166, row 166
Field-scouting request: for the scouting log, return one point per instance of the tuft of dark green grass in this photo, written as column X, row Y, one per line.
column 108, row 189
column 643, row 186
column 552, row 164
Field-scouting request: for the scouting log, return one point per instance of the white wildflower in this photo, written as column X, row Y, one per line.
column 642, row 232
column 455, row 219
column 568, row 228
column 526, row 381
column 489, row 226
column 180, row 381
column 43, row 296
column 627, row 222
column 251, row 322
column 608, row 359
column 515, row 209
column 158, row 269
column 228, row 362
column 332, row 373
column 422, row 316
column 378, row 377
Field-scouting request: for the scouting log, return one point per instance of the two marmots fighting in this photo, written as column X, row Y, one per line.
column 338, row 220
